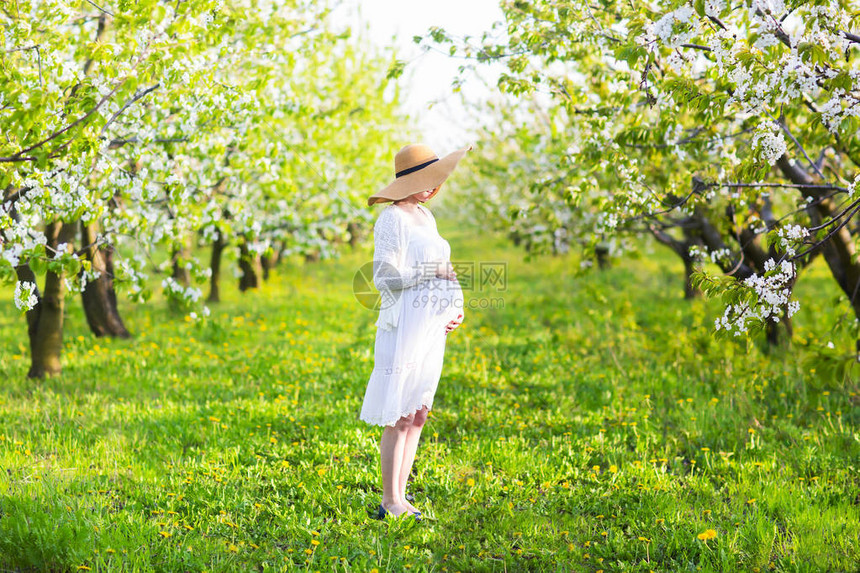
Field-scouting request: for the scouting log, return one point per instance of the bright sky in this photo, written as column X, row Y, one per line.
column 427, row 79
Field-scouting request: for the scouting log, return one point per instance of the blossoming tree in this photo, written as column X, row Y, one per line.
column 130, row 129
column 728, row 130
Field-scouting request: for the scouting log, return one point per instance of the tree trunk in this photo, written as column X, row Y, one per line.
column 45, row 320
column 713, row 240
column 354, row 234
column 839, row 251
column 99, row 296
column 250, row 267
column 690, row 292
column 515, row 238
column 180, row 274
column 601, row 252
column 26, row 274
column 279, row 252
column 266, row 263
column 215, row 266
column 774, row 332
column 682, row 249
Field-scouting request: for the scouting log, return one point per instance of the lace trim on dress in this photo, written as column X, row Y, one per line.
column 390, row 417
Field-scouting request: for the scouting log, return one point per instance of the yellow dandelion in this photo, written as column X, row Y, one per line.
column 613, row 469
column 314, row 542
column 707, row 534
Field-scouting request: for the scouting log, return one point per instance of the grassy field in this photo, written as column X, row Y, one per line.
column 591, row 424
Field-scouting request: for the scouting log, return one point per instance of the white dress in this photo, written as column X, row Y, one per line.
column 415, row 308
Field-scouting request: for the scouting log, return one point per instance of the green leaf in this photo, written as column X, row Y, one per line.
column 38, row 265
column 395, row 69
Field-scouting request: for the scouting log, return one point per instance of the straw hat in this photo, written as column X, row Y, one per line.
column 417, row 169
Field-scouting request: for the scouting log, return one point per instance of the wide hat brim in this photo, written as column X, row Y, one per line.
column 429, row 177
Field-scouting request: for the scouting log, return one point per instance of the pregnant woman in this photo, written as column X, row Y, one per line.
column 421, row 302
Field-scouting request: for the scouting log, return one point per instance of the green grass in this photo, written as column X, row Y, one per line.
column 592, row 423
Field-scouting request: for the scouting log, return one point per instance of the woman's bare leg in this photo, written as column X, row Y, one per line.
column 391, row 453
column 410, row 447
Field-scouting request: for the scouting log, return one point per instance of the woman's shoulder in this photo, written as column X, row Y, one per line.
column 388, row 217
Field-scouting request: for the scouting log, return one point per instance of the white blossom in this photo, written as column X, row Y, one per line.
column 773, row 290
column 768, row 139
column 676, row 27
column 25, row 297
column 852, row 187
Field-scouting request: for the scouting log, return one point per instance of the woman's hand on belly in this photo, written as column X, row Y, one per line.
column 445, row 271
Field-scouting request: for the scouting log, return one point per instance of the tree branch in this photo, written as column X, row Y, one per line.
column 850, row 37
column 696, row 47
column 819, row 244
column 718, row 22
column 836, row 217
column 128, row 104
column 18, row 156
column 810, row 186
column 782, row 124
column 100, row 9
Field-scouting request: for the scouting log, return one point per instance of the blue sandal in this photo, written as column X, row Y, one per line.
column 410, row 499
column 381, row 512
